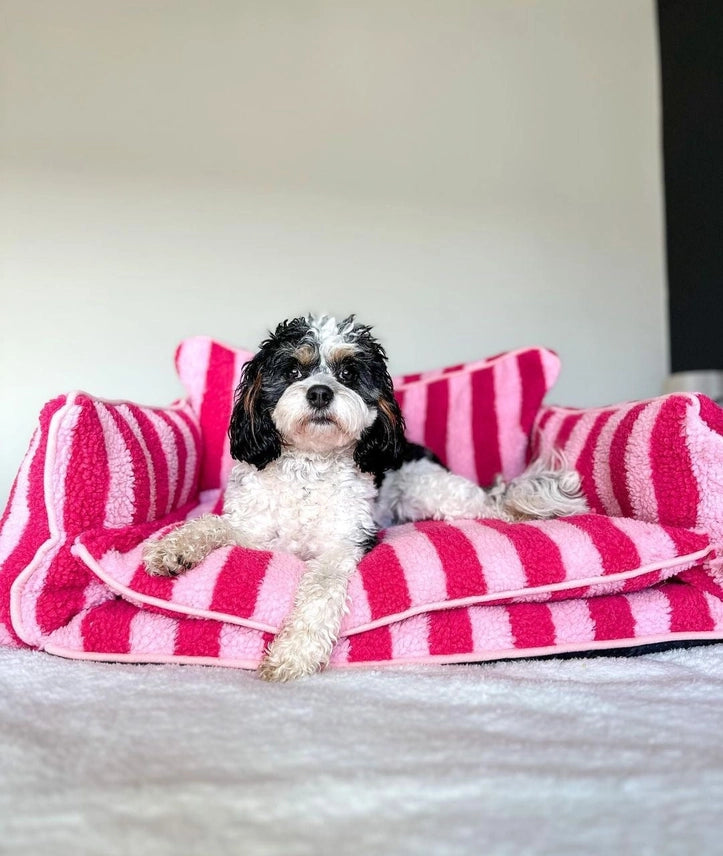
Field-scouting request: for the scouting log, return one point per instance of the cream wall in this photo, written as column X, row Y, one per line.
column 468, row 176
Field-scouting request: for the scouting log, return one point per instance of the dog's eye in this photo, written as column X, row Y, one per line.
column 346, row 374
column 293, row 373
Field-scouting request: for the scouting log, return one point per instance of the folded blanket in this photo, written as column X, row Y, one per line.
column 417, row 568
column 689, row 608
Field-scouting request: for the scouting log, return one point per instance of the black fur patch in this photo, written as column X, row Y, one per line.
column 369, row 542
column 415, row 452
column 265, row 378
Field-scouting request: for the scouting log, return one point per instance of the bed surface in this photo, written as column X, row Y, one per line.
column 603, row 755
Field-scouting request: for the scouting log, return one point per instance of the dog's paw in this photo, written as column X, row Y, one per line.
column 542, row 493
column 162, row 560
column 289, row 658
column 567, row 497
column 280, row 671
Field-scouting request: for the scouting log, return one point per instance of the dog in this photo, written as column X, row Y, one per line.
column 322, row 464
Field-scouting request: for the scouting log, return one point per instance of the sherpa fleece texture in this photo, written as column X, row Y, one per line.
column 102, row 476
column 535, row 757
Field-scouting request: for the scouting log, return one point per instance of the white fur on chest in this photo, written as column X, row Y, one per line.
column 300, row 503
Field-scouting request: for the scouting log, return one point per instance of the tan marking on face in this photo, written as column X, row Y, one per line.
column 339, row 352
column 305, row 354
column 249, row 400
column 387, row 409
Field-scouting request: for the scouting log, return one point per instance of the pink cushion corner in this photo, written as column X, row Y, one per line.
column 24, row 526
column 477, row 417
column 659, row 459
column 92, row 463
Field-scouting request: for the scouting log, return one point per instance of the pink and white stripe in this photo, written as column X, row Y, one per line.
column 657, row 460
column 92, row 463
column 17, row 513
column 210, row 373
column 419, row 568
column 670, row 612
column 120, row 504
column 477, row 417
column 25, row 529
column 135, row 428
column 460, row 452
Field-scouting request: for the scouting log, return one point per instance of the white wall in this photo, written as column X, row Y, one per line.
column 468, row 176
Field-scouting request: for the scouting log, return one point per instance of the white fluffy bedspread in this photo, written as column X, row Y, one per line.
column 589, row 756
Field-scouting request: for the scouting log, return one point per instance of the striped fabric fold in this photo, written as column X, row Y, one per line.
column 425, row 567
column 210, row 373
column 117, row 464
column 118, row 630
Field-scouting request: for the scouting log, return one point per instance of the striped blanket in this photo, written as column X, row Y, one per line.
column 102, row 477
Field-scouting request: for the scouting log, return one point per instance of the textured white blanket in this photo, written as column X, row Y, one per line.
column 561, row 757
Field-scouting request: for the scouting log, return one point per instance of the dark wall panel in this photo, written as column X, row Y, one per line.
column 691, row 49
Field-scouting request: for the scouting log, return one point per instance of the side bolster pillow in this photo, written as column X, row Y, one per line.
column 659, row 460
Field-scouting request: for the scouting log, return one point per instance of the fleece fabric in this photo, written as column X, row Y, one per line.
column 101, row 477
column 537, row 757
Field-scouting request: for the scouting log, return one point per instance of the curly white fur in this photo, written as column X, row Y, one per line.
column 314, row 501
column 423, row 490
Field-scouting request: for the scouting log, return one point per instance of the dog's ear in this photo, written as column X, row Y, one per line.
column 381, row 446
column 252, row 433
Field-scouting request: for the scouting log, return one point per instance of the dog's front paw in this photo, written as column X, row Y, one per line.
column 281, row 671
column 288, row 659
column 164, row 559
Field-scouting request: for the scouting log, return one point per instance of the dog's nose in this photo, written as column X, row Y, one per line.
column 319, row 396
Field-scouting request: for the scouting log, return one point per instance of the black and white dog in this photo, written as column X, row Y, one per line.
column 323, row 463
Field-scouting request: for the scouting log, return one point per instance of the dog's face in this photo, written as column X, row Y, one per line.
column 317, row 385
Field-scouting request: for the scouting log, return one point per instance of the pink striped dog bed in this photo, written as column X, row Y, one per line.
column 101, row 477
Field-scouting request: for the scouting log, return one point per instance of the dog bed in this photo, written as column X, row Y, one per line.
column 642, row 568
